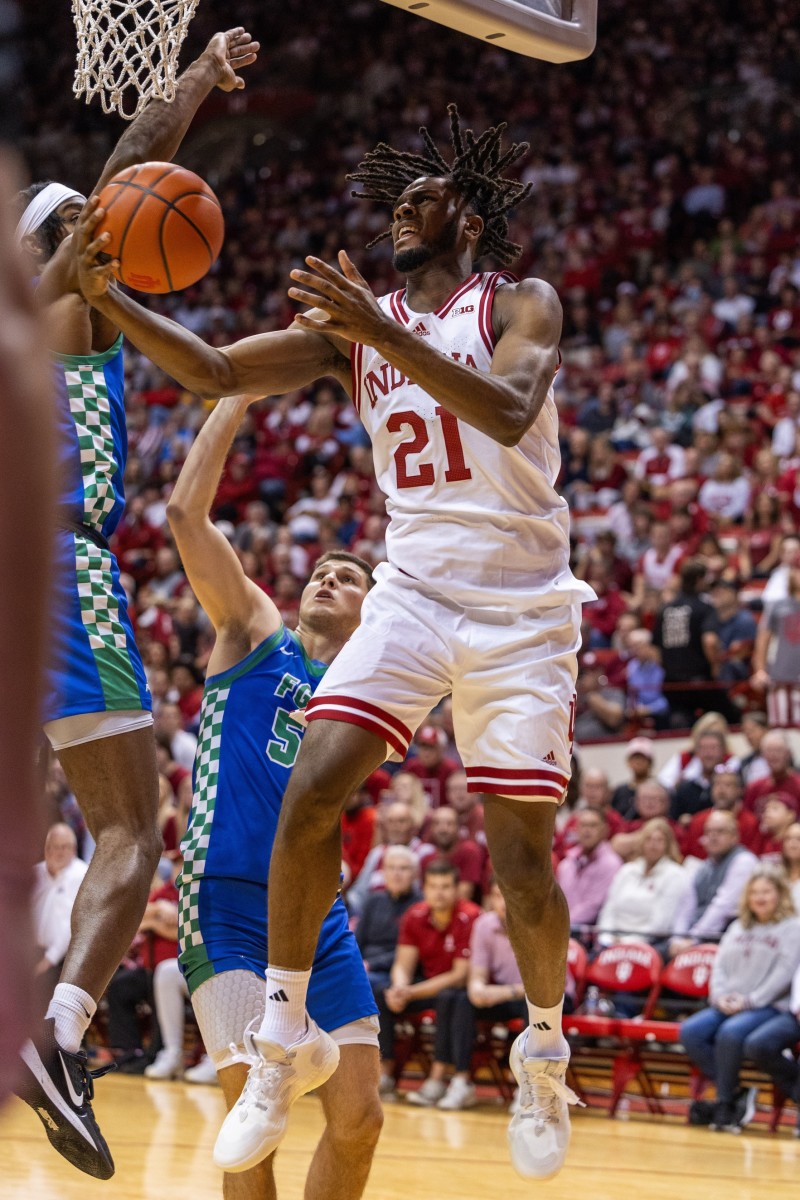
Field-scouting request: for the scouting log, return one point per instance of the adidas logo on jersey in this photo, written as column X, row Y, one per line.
column 421, row 330
column 550, row 758
column 280, row 997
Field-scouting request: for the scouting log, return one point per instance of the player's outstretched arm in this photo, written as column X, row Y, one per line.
column 159, row 129
column 267, row 364
column 233, row 602
column 503, row 403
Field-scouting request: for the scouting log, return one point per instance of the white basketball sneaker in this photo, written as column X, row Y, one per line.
column 279, row 1075
column 538, row 1135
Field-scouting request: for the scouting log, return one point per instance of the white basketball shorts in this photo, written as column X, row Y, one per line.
column 511, row 676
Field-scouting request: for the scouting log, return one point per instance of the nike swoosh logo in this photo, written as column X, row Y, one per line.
column 30, row 1057
column 75, row 1097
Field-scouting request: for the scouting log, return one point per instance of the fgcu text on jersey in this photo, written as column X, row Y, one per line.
column 472, row 518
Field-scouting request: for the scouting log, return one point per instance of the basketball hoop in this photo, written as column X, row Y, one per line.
column 128, row 50
column 554, row 30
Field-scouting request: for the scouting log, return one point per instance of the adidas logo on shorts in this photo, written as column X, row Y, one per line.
column 280, row 997
column 550, row 758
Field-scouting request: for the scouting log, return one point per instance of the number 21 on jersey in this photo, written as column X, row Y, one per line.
column 411, row 474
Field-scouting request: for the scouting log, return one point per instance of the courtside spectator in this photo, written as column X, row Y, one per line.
column 358, row 831
column 726, row 796
column 754, row 766
column 462, row 853
column 644, row 893
column 639, row 759
column 400, row 830
column 750, row 980
column 651, row 800
column 379, row 924
column 711, row 899
column 593, row 792
column 790, row 861
column 770, row 1047
column 430, row 971
column 693, row 795
column 782, row 777
column 430, row 764
column 779, row 813
column 56, row 881
column 586, row 871
column 686, row 763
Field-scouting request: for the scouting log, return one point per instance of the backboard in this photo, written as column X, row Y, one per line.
column 553, row 30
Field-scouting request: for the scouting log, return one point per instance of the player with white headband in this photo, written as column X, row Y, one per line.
column 97, row 708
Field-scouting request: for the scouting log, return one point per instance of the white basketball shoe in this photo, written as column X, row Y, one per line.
column 539, row 1132
column 279, row 1075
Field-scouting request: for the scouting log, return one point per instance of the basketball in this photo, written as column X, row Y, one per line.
column 166, row 226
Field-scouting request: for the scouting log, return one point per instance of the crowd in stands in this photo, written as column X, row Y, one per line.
column 665, row 212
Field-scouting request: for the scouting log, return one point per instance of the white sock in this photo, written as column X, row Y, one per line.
column 545, row 1039
column 72, row 1010
column 285, row 1011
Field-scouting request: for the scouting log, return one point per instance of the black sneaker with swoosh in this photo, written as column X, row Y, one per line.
column 59, row 1088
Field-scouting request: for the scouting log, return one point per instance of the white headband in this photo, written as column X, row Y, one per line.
column 42, row 205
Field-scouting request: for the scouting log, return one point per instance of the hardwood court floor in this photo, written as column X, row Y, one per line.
column 161, row 1135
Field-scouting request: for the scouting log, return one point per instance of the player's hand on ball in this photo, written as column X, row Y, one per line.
column 95, row 267
column 230, row 52
column 342, row 299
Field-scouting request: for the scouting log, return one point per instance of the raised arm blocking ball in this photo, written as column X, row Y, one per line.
column 166, row 226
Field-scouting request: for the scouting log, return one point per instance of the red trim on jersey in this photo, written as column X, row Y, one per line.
column 485, row 310
column 361, row 712
column 503, row 783
column 356, row 356
column 547, row 774
column 456, row 295
column 398, row 308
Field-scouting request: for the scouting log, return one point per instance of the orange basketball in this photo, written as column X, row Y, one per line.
column 166, row 226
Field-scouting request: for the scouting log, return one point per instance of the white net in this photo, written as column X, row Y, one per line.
column 128, row 50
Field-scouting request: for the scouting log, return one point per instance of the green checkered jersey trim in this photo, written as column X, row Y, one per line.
column 100, row 614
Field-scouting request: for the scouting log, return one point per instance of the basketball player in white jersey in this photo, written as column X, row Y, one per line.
column 452, row 377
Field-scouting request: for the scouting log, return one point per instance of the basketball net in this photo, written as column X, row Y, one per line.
column 128, row 50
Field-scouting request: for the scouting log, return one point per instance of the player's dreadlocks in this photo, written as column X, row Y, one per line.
column 475, row 170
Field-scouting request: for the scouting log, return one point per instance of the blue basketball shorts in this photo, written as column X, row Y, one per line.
column 94, row 665
column 223, row 927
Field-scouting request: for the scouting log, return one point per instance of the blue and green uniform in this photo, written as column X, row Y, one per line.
column 94, row 664
column 246, row 749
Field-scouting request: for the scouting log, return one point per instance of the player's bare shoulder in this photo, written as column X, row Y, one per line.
column 531, row 304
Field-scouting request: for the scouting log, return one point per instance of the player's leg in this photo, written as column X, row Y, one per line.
column 512, row 716
column 115, row 781
column 116, row 784
column 353, row 1121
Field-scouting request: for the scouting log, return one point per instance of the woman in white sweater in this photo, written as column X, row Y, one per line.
column 645, row 893
column 750, row 981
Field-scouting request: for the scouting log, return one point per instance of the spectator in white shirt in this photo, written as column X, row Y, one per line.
column 181, row 744
column 728, row 493
column 645, row 893
column 733, row 303
column 56, row 883
column 662, row 461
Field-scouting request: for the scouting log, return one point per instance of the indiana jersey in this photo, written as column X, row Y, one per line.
column 473, row 519
column 92, row 436
column 246, row 748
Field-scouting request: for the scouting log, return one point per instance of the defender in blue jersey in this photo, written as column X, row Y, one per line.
column 97, row 709
column 260, row 678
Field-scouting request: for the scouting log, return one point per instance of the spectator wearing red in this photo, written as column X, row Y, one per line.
column 430, row 764
column 358, row 831
column 600, row 616
column 778, row 815
column 464, row 854
column 594, row 793
column 662, row 461
column 726, row 796
column 586, row 871
column 188, row 684
column 430, row 971
column 468, row 807
column 782, row 777
column 400, row 830
column 659, row 563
